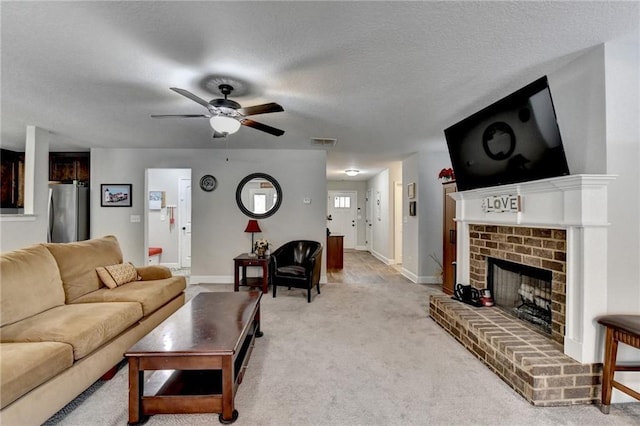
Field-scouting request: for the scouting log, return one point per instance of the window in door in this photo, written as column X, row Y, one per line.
column 342, row 202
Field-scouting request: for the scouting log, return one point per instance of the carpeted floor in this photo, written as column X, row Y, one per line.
column 364, row 352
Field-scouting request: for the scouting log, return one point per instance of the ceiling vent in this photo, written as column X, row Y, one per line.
column 323, row 141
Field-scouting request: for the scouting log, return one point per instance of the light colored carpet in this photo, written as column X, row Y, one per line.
column 358, row 354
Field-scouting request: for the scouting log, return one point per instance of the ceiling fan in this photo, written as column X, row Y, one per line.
column 226, row 116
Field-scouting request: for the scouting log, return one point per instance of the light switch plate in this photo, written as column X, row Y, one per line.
column 134, row 218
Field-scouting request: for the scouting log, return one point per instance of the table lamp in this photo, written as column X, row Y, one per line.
column 252, row 227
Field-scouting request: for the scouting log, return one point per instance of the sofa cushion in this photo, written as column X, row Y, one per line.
column 29, row 283
column 85, row 326
column 24, row 366
column 78, row 262
column 150, row 294
column 114, row 275
column 153, row 272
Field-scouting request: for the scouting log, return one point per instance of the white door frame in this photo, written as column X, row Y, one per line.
column 368, row 214
column 184, row 218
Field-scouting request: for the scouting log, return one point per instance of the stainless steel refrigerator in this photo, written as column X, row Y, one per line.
column 68, row 213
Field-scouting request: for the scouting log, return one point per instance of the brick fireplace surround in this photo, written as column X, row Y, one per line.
column 561, row 227
column 542, row 248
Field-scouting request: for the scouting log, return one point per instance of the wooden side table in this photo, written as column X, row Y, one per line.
column 245, row 260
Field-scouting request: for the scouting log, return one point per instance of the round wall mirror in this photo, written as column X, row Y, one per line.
column 259, row 195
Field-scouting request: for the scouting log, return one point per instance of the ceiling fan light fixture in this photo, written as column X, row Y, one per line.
column 222, row 124
column 352, row 172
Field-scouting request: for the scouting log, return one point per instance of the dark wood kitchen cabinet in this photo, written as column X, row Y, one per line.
column 12, row 179
column 449, row 239
column 69, row 166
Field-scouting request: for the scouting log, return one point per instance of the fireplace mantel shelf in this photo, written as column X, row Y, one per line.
column 561, row 183
column 561, row 202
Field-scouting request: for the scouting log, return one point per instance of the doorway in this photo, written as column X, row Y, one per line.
column 342, row 207
column 168, row 217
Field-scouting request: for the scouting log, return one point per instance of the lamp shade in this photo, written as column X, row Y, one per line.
column 223, row 124
column 253, row 226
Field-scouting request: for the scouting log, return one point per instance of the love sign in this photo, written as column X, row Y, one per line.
column 502, row 204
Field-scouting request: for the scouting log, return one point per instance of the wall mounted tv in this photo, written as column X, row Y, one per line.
column 516, row 139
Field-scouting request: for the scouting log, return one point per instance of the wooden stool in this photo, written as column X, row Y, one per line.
column 625, row 329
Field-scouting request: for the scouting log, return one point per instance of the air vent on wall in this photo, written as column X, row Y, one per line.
column 323, row 141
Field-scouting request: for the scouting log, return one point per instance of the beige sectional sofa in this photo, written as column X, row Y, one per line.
column 61, row 328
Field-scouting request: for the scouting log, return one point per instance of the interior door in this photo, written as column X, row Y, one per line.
column 184, row 218
column 342, row 207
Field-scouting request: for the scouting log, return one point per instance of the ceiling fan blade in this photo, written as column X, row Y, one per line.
column 261, row 109
column 179, row 115
column 191, row 96
column 259, row 126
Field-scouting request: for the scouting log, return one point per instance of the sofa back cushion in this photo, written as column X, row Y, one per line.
column 78, row 262
column 30, row 283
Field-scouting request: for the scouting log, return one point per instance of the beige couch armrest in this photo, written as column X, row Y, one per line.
column 153, row 272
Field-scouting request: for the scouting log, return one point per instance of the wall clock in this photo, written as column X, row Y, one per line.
column 208, row 183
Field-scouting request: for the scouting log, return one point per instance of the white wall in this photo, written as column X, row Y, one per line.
column 622, row 70
column 411, row 224
column 622, row 76
column 382, row 246
column 431, row 162
column 578, row 92
column 217, row 223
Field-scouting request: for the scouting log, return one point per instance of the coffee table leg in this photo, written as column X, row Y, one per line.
column 136, row 389
column 229, row 414
column 256, row 319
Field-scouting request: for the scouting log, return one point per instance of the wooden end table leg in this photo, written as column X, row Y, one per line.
column 265, row 277
column 236, row 277
column 608, row 370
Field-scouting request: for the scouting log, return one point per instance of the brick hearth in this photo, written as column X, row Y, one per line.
column 530, row 362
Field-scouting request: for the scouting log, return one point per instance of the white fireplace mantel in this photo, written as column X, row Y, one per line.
column 576, row 203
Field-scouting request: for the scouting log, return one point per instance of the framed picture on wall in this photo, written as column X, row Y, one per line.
column 412, row 208
column 156, row 200
column 411, row 190
column 115, row 195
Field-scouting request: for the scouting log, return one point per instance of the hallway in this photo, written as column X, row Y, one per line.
column 363, row 267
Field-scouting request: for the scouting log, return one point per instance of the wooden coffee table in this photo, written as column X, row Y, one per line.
column 200, row 353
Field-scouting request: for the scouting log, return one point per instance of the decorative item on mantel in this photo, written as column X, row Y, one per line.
column 446, row 175
column 261, row 246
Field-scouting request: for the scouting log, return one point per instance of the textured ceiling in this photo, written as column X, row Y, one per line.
column 383, row 78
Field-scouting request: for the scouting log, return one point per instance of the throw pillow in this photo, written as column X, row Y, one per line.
column 115, row 275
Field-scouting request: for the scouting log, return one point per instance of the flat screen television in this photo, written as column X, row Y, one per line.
column 515, row 139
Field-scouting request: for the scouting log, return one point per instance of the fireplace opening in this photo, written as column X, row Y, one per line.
column 521, row 290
